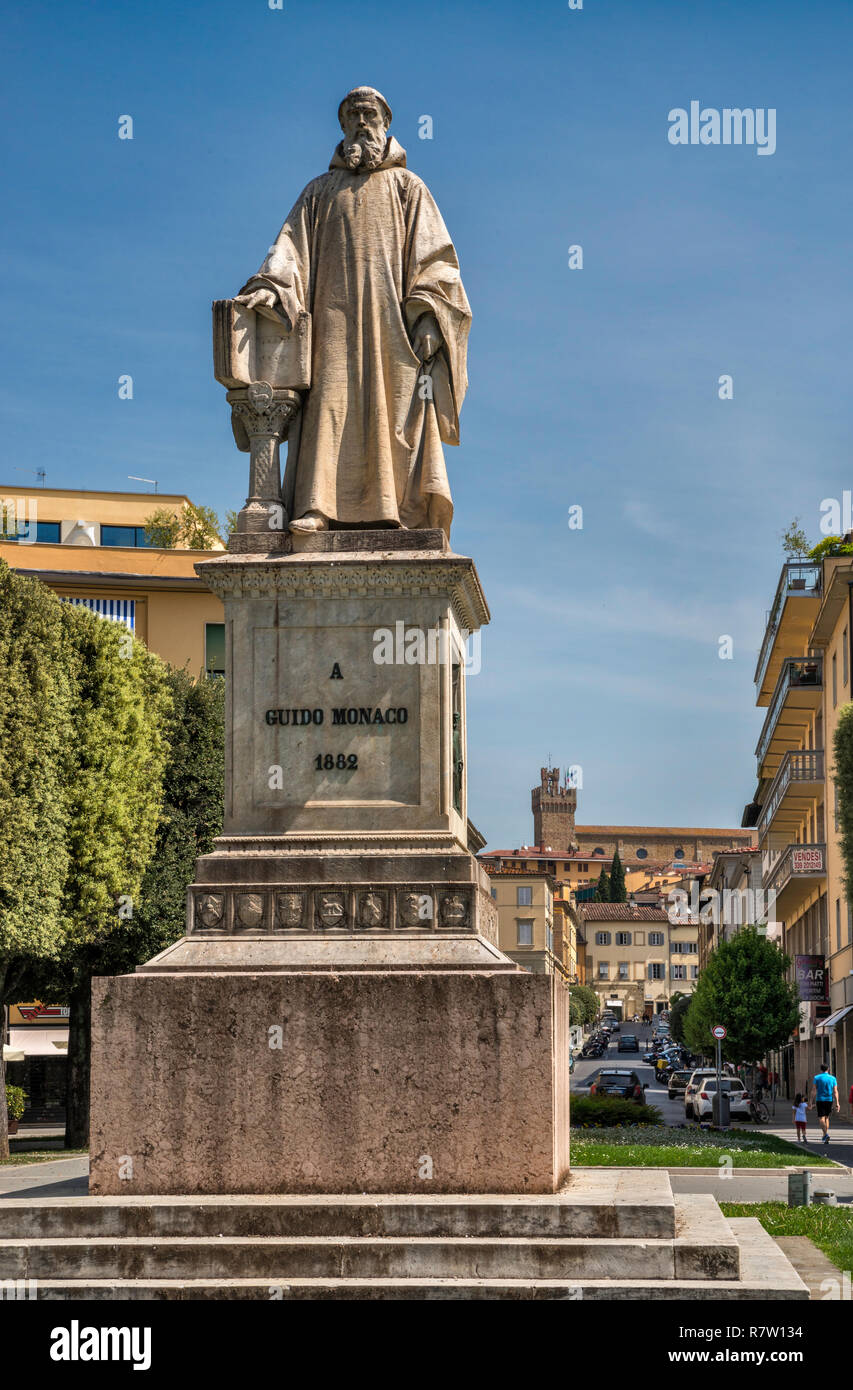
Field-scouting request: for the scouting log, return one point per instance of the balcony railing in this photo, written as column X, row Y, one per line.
column 805, row 766
column 799, row 577
column 797, row 672
column 798, row 861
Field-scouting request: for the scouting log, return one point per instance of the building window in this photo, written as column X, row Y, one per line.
column 656, row 971
column 598, row 850
column 123, row 535
column 623, row 970
column 845, row 669
column 694, row 972
column 678, row 972
column 495, row 894
column 47, row 532
column 602, row 938
column 656, row 938
column 524, row 896
column 549, row 939
column 623, row 938
column 642, row 854
column 603, row 970
column 679, row 853
column 525, row 933
column 214, row 649
column 834, row 680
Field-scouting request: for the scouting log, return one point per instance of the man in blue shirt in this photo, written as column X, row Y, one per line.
column 825, row 1095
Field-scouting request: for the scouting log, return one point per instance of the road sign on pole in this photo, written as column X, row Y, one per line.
column 719, row 1032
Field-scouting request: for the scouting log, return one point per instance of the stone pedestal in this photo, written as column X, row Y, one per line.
column 338, row 1017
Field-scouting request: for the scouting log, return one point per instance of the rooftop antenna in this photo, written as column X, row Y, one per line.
column 39, row 472
column 134, row 479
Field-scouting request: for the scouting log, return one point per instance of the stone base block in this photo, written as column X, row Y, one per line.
column 309, row 1082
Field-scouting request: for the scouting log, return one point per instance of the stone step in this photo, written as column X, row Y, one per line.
column 333, row 1257
column 598, row 1203
column 353, row 1290
column 703, row 1248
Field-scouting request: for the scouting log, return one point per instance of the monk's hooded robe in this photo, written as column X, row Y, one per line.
column 365, row 254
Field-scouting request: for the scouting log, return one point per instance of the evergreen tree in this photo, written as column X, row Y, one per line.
column 602, row 888
column 114, row 797
column 744, row 987
column 587, row 1002
column 618, row 893
column 36, row 737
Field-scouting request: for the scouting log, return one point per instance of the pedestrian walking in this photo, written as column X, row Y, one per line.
column 825, row 1096
column 800, row 1121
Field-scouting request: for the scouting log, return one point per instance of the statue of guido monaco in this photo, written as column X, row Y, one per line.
column 366, row 254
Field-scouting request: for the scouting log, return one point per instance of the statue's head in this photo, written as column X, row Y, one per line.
column 365, row 116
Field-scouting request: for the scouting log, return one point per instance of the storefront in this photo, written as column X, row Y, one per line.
column 37, row 1059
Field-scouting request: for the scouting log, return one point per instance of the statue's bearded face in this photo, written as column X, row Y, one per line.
column 364, row 129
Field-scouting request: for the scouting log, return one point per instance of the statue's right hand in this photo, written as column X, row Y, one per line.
column 263, row 301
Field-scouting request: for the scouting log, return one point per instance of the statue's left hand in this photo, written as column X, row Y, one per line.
column 427, row 338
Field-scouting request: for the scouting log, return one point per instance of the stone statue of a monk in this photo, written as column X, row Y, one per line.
column 366, row 253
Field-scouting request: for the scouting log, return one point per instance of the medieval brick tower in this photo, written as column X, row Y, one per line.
column 554, row 813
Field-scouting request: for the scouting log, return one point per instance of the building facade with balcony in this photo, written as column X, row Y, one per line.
column 803, row 680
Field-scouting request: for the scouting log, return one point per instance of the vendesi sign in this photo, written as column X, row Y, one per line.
column 812, row 981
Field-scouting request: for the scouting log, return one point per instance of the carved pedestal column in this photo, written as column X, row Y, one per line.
column 260, row 417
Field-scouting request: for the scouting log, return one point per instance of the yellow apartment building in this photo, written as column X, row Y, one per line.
column 526, row 911
column 89, row 547
column 802, row 678
column 628, row 957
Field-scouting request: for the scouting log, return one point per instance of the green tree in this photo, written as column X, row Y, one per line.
column 678, row 1005
column 843, row 777
column 794, row 541
column 618, row 893
column 190, row 818
column 587, row 1001
column 193, row 528
column 163, row 529
column 36, row 743
column 602, row 888
column 114, row 794
column 744, row 987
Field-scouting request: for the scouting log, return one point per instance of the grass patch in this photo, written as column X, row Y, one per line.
column 664, row 1147
column 831, row 1228
column 40, row 1156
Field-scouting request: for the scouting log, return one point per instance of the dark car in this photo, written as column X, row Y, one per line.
column 613, row 1081
column 678, row 1084
column 628, row 1043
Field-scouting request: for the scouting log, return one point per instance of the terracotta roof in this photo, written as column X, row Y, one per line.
column 620, row 912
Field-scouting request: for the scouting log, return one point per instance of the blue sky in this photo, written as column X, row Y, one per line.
column 595, row 387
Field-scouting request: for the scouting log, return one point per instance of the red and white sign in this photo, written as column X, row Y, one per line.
column 807, row 861
column 719, row 1032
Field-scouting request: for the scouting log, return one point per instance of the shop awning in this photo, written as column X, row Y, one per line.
column 828, row 1024
column 13, row 1054
column 40, row 1042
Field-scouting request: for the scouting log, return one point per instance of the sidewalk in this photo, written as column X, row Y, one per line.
column 839, row 1148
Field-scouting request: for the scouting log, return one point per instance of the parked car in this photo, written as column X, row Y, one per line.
column 677, row 1083
column 703, row 1098
column 696, row 1077
column 628, row 1043
column 616, row 1081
